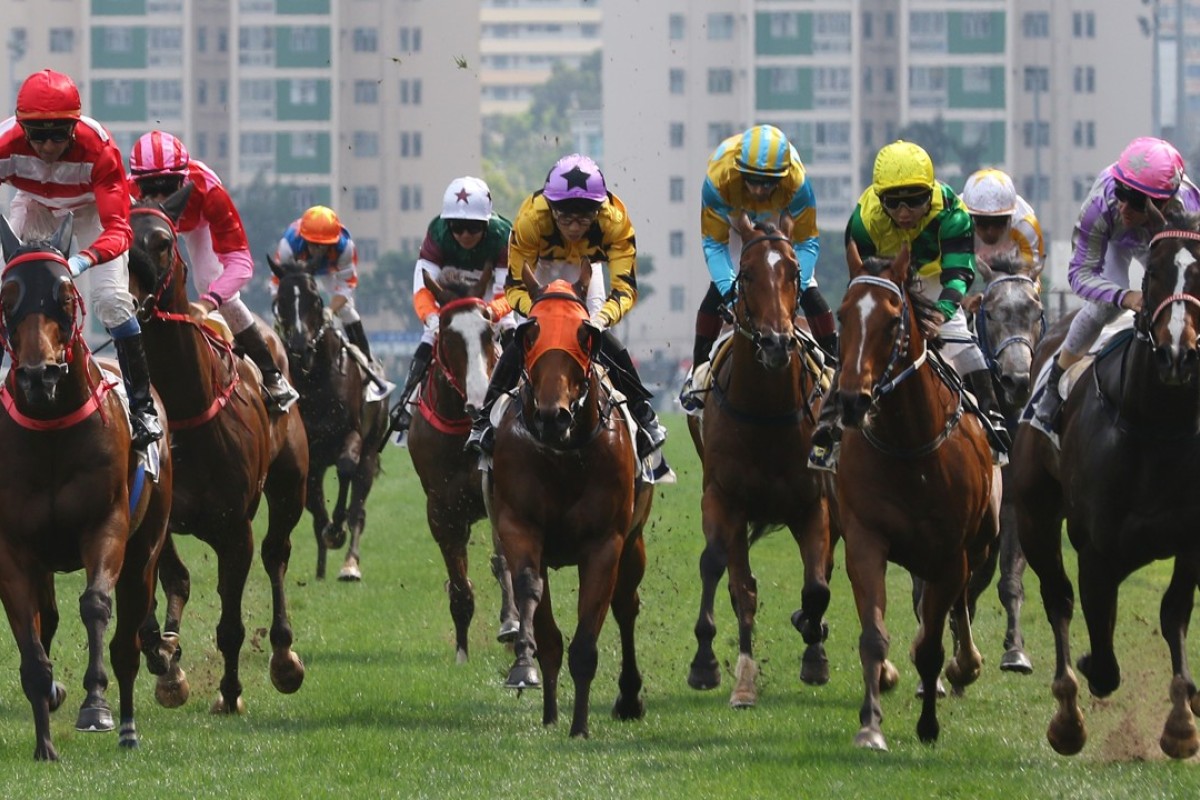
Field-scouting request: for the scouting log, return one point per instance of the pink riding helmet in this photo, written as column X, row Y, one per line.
column 1152, row 166
column 575, row 177
column 157, row 152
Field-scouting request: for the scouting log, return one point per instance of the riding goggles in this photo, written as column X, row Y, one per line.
column 575, row 219
column 755, row 182
column 1133, row 198
column 467, row 225
column 894, row 201
column 55, row 133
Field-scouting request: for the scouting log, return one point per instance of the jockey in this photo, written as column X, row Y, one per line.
column 1004, row 222
column 219, row 252
column 320, row 241
column 760, row 173
column 1114, row 227
column 61, row 162
column 906, row 204
column 573, row 217
column 467, row 238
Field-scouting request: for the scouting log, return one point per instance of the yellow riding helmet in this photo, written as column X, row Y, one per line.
column 900, row 165
column 320, row 225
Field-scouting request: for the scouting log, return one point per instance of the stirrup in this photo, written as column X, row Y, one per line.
column 481, row 440
column 280, row 393
column 824, row 458
column 147, row 429
column 689, row 399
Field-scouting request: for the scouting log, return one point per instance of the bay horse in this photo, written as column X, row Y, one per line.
column 230, row 451
column 564, row 491
column 760, row 417
column 464, row 354
column 915, row 484
column 1009, row 321
column 75, row 495
column 345, row 430
column 1124, row 481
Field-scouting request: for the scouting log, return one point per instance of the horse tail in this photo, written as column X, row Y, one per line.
column 759, row 530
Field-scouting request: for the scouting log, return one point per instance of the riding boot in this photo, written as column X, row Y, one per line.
column 276, row 387
column 827, row 436
column 651, row 434
column 131, row 355
column 401, row 417
column 1050, row 406
column 358, row 337
column 688, row 397
column 829, row 344
column 980, row 384
column 505, row 375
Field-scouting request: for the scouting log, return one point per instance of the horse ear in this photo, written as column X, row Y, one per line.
column 530, row 280
column 173, row 206
column 984, row 269
column 742, row 224
column 854, row 261
column 274, row 265
column 972, row 302
column 1035, row 271
column 61, row 241
column 485, row 280
column 901, row 264
column 585, row 276
column 10, row 241
column 439, row 292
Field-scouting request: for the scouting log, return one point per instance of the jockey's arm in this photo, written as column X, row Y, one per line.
column 1090, row 241
column 805, row 237
column 112, row 208
column 714, row 229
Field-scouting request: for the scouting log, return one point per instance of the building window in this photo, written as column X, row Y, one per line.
column 1042, row 138
column 678, row 296
column 720, row 81
column 675, row 134
column 304, row 93
column 676, row 243
column 1036, row 25
column 976, row 26
column 304, row 40
column 366, row 92
column 720, row 27
column 675, row 80
column 1085, row 80
column 222, row 40
column 118, row 40
column 366, row 144
column 868, row 24
column 62, row 40
column 675, row 26
column 675, row 189
column 719, row 132
column 410, row 40
column 366, row 40
column 368, row 250
column 406, row 198
column 1085, row 134
column 1083, row 25
column 410, row 144
column 202, row 92
column 201, row 39
column 1037, row 79
column 366, row 198
column 410, row 92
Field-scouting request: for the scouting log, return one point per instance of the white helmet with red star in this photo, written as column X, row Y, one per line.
column 467, row 198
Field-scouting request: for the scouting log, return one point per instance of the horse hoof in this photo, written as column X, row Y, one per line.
column 940, row 689
column 58, row 693
column 814, row 667
column 626, row 710
column 508, row 631
column 1016, row 661
column 172, row 689
column 333, row 537
column 703, row 677
column 869, row 739
column 460, row 656
column 94, row 719
column 287, row 672
column 889, row 676
column 350, row 573
column 522, row 677
column 128, row 738
column 220, row 707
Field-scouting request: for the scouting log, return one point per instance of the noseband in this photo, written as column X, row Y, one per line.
column 1179, row 297
column 992, row 357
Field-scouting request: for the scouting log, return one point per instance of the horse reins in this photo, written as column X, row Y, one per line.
column 1179, row 297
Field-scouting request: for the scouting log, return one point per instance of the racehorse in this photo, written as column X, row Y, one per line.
column 915, row 484
column 1009, row 321
column 1130, row 440
column 564, row 491
column 464, row 353
column 344, row 429
column 231, row 452
column 759, row 416
column 75, row 493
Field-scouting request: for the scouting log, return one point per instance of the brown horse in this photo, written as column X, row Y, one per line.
column 76, row 496
column 915, row 485
column 231, row 453
column 464, row 354
column 1009, row 321
column 1124, row 480
column 344, row 429
column 564, row 491
column 759, row 416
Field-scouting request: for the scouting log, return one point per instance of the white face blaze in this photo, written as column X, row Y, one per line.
column 296, row 303
column 1178, row 321
column 472, row 327
column 773, row 257
column 866, row 306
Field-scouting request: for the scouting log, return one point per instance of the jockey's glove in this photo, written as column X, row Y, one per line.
column 77, row 264
column 599, row 321
column 432, row 321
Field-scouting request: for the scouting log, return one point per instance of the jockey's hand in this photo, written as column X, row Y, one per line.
column 327, row 315
column 78, row 264
column 726, row 307
column 599, row 321
column 432, row 322
column 1132, row 300
column 931, row 328
column 200, row 309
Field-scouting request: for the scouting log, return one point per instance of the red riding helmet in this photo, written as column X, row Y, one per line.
column 48, row 95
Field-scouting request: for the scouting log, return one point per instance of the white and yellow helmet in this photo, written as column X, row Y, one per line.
column 989, row 193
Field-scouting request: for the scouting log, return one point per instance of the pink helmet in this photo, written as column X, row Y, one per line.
column 157, row 152
column 1151, row 166
column 575, row 177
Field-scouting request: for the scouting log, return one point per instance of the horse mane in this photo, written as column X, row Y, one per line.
column 1178, row 218
column 767, row 227
column 1008, row 264
column 459, row 287
column 925, row 309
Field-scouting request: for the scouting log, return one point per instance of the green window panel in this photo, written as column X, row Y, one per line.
column 783, row 34
column 301, row 6
column 993, row 138
column 297, row 153
column 975, row 32
column 302, row 46
column 118, row 47
column 783, row 88
column 300, row 99
column 117, row 101
column 965, row 89
column 109, row 8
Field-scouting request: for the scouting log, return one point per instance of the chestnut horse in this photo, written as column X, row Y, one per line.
column 75, row 493
column 759, row 416
column 231, row 452
column 1125, row 482
column 564, row 491
column 464, row 353
column 915, row 484
column 344, row 429
column 1009, row 321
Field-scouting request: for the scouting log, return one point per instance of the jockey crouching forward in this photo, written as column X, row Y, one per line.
column 905, row 204
column 467, row 238
column 211, row 227
column 573, row 217
column 62, row 162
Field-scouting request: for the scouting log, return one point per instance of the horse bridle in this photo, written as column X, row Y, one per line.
column 1178, row 297
column 886, row 384
column 310, row 345
column 439, row 357
column 72, row 328
column 738, row 325
column 990, row 356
